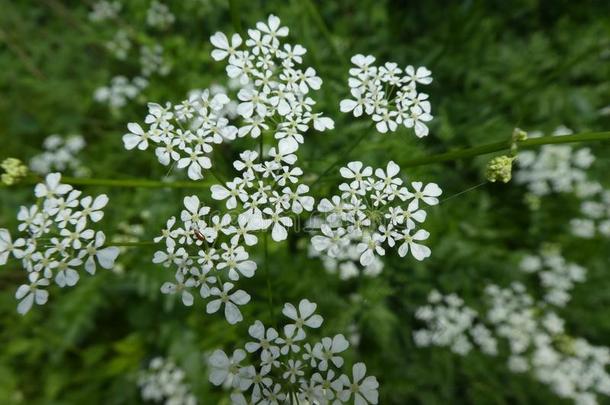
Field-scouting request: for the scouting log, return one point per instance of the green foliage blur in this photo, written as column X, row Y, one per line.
column 496, row 65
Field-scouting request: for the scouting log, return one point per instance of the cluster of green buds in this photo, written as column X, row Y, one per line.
column 500, row 167
column 14, row 170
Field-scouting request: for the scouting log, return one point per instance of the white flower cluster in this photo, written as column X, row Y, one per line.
column 595, row 213
column 389, row 94
column 60, row 154
column 58, row 241
column 159, row 16
column 120, row 91
column 571, row 367
column 288, row 369
column 184, row 134
column 450, row 323
column 553, row 168
column 535, row 336
column 119, row 45
column 201, row 256
column 275, row 97
column 152, row 62
column 104, row 10
column 163, row 382
column 266, row 194
column 345, row 261
column 377, row 210
column 557, row 276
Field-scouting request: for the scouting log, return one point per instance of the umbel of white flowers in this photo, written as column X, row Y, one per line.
column 209, row 252
column 57, row 241
column 60, row 155
column 388, row 94
column 376, row 211
column 286, row 368
column 534, row 334
column 163, row 381
column 274, row 97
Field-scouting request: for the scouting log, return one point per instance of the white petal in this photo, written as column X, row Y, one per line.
column 232, row 313
column 107, row 256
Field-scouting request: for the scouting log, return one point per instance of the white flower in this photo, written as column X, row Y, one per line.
column 362, row 388
column 368, row 216
column 265, row 339
column 303, row 317
column 30, row 293
column 180, row 287
column 326, row 351
column 164, row 382
column 223, row 367
column 222, row 45
column 429, row 194
column 66, row 275
column 7, row 246
column 419, row 252
column 92, row 208
column 136, row 137
column 283, row 362
column 391, row 99
column 52, row 187
column 230, row 301
column 235, row 261
column 105, row 256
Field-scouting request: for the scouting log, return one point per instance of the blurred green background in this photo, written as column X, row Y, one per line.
column 496, row 65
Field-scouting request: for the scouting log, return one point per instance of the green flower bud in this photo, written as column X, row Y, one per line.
column 14, row 169
column 500, row 168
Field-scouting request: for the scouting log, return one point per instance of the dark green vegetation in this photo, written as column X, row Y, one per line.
column 496, row 65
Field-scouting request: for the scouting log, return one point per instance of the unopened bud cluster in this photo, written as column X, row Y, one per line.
column 14, row 170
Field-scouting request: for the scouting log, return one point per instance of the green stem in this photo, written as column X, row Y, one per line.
column 504, row 145
column 129, row 183
column 458, row 154
column 467, row 153
column 235, row 19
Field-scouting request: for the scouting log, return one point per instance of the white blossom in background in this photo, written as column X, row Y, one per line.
column 553, row 168
column 389, row 95
column 594, row 217
column 58, row 241
column 130, row 231
column 283, row 366
column 152, row 61
column 159, row 15
column 378, row 211
column 535, row 336
column 120, row 45
column 571, row 367
column 60, row 154
column 230, row 109
column 164, row 383
column 120, row 91
column 557, row 276
column 450, row 323
column 346, row 262
column 104, row 10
